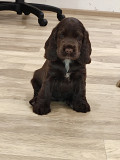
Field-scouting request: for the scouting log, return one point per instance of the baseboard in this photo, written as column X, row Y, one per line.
column 91, row 13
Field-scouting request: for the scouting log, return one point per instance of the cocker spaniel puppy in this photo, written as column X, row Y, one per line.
column 63, row 75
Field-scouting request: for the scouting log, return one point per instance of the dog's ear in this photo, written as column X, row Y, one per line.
column 51, row 46
column 86, row 49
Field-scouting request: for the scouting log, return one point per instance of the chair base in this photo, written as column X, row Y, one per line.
column 20, row 7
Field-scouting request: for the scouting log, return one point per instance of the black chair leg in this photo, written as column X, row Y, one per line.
column 44, row 7
column 27, row 9
column 10, row 6
column 20, row 7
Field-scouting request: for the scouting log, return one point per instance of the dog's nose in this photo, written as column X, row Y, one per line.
column 69, row 50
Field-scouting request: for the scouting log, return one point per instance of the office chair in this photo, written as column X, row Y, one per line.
column 20, row 6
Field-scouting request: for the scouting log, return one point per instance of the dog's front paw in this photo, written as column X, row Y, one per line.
column 33, row 101
column 41, row 108
column 82, row 106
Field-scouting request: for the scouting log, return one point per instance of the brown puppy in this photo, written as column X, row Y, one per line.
column 63, row 75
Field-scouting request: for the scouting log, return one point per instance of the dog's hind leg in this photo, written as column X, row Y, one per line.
column 36, row 88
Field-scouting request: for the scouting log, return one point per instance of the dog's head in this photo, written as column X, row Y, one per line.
column 69, row 40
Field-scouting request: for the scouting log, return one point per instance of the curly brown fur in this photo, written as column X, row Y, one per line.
column 63, row 75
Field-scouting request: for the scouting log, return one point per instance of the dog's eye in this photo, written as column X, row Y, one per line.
column 79, row 38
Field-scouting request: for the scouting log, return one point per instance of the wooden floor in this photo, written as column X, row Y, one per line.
column 63, row 134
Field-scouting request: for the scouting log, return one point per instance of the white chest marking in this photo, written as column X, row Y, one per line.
column 67, row 66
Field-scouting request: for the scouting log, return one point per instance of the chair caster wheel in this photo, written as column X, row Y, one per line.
column 42, row 22
column 26, row 13
column 19, row 12
column 60, row 17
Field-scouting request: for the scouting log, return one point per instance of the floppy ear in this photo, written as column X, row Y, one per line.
column 51, row 46
column 85, row 49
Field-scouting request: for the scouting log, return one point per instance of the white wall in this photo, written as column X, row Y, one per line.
column 100, row 5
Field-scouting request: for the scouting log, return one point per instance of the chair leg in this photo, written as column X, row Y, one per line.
column 27, row 9
column 44, row 7
column 10, row 6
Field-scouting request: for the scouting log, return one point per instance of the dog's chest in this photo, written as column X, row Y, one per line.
column 67, row 67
